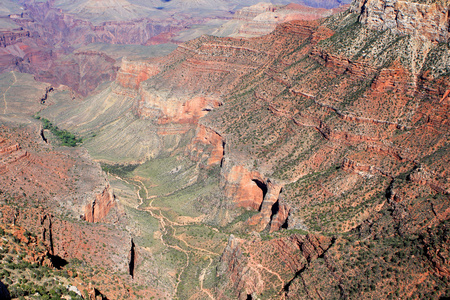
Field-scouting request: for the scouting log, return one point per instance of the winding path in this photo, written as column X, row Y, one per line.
column 4, row 94
column 165, row 224
column 201, row 278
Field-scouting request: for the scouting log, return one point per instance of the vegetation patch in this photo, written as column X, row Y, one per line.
column 119, row 170
column 67, row 138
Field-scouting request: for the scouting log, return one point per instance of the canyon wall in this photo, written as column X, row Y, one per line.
column 262, row 18
column 323, row 146
column 325, row 133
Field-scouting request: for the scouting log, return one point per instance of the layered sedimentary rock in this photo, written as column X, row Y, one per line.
column 83, row 72
column 339, row 126
column 430, row 20
column 131, row 74
column 12, row 37
column 58, row 26
column 268, row 208
column 46, row 189
column 250, row 190
column 262, row 18
column 333, row 131
column 42, row 44
column 167, row 108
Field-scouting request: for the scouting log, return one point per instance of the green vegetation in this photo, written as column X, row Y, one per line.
column 67, row 138
column 119, row 170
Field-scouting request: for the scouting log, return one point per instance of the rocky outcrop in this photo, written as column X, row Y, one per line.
column 132, row 73
column 165, row 107
column 208, row 146
column 341, row 64
column 44, row 97
column 309, row 116
column 8, row 38
column 56, row 26
column 280, row 216
column 252, row 191
column 424, row 176
column 234, row 266
column 248, row 13
column 97, row 210
column 268, row 208
column 43, row 46
column 83, row 72
column 429, row 20
column 362, row 169
column 246, row 188
column 10, row 154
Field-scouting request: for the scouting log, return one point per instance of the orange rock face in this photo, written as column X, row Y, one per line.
column 131, row 74
column 103, row 203
column 268, row 208
column 41, row 174
column 246, row 188
column 250, row 190
column 207, row 145
column 280, row 218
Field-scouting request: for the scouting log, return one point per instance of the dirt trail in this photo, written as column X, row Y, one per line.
column 201, row 278
column 167, row 228
column 252, row 263
column 4, row 94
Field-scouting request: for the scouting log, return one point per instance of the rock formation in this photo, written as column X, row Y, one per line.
column 100, row 207
column 429, row 19
column 207, row 146
column 131, row 74
column 246, row 189
column 332, row 147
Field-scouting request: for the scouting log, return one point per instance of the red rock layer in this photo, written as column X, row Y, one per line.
column 268, row 208
column 131, row 74
column 166, row 108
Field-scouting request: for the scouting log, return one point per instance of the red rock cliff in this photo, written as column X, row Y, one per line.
column 100, row 207
column 207, row 145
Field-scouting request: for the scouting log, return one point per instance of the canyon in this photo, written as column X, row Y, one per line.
column 310, row 161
